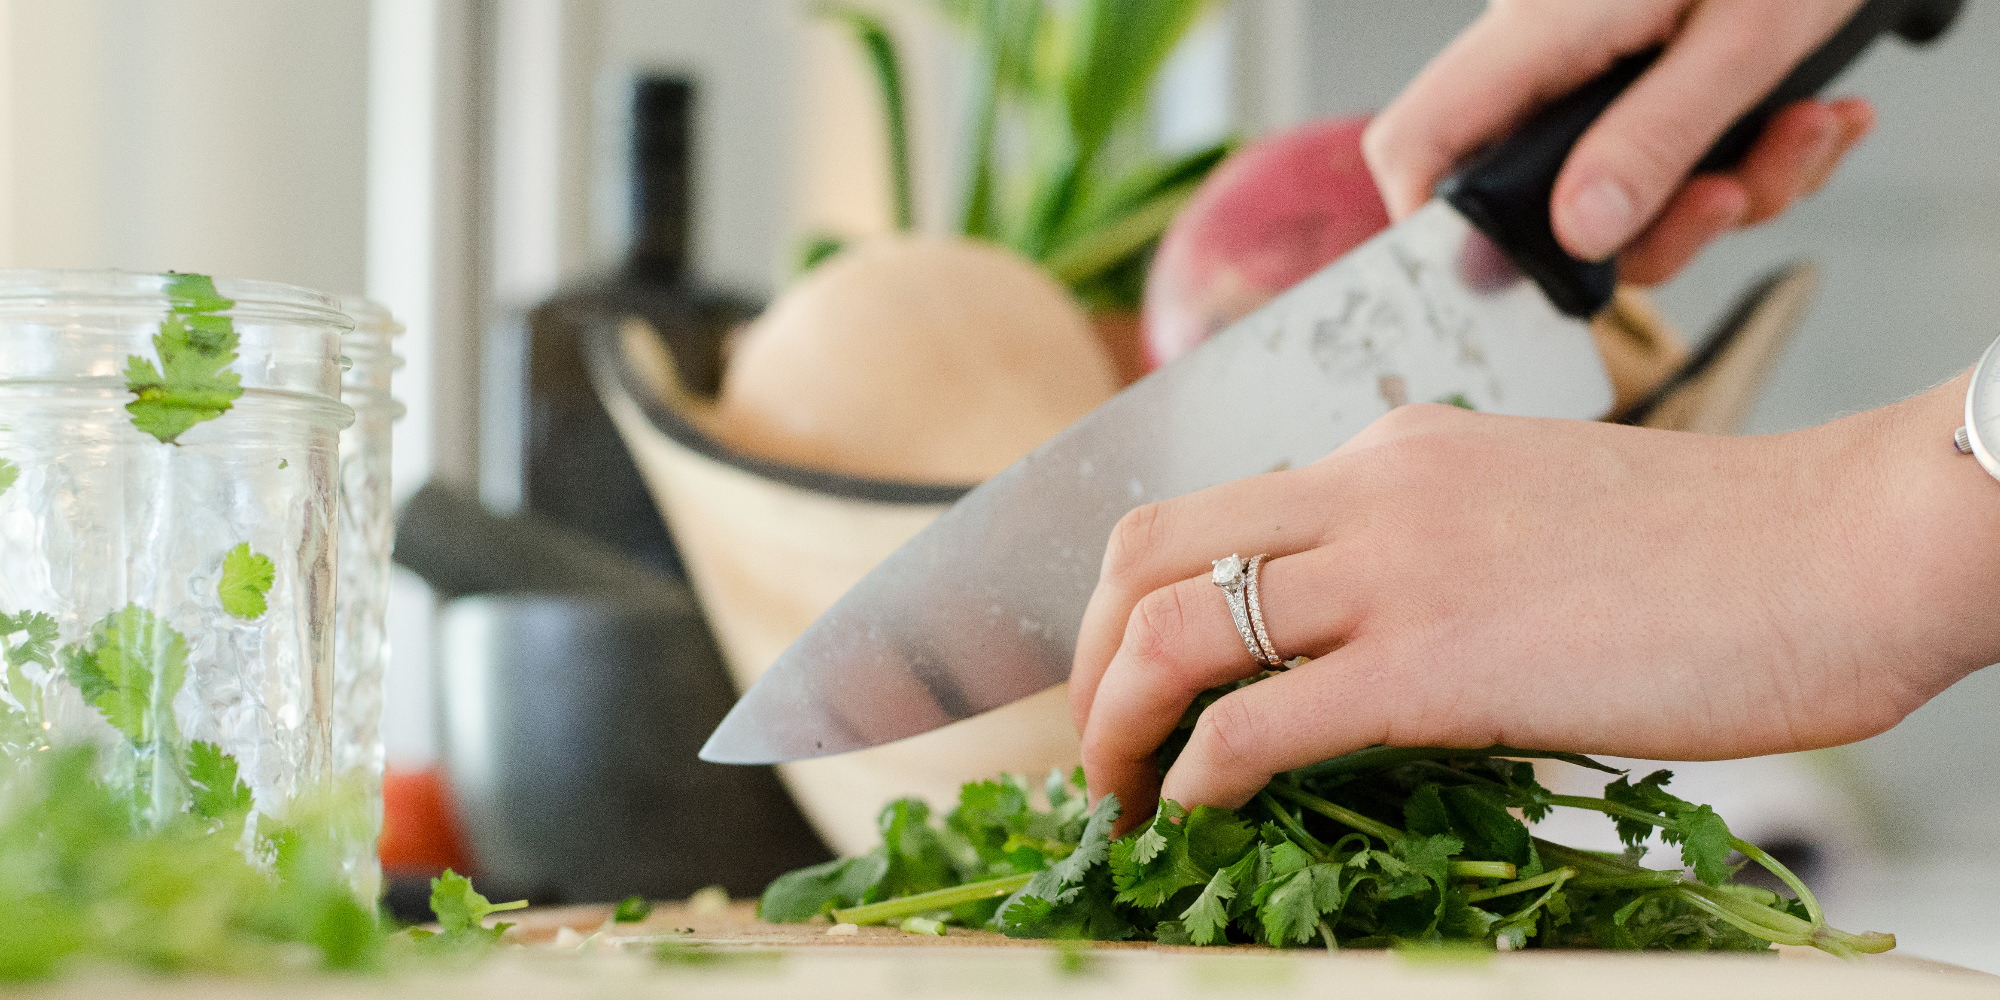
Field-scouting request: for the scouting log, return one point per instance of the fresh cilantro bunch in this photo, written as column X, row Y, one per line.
column 1383, row 847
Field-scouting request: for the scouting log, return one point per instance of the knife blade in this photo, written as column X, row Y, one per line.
column 983, row 606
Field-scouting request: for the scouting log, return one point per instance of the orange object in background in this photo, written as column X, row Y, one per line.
column 420, row 834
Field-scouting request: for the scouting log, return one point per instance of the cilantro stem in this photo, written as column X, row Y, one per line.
column 1339, row 814
column 1751, row 918
column 892, row 910
column 1374, row 828
column 1291, row 824
column 1754, row 918
column 1776, row 867
column 1636, row 880
column 1741, row 846
column 1613, row 809
column 1556, row 877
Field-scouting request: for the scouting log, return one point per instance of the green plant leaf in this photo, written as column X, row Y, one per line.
column 808, row 892
column 1115, row 49
column 1099, row 250
column 1119, row 48
column 129, row 668
column 246, row 579
column 37, row 642
column 1291, row 908
column 461, row 912
column 192, row 382
column 218, row 791
column 817, row 249
column 1005, row 37
column 1043, row 907
column 1705, row 844
column 880, row 48
column 9, row 473
column 1206, row 920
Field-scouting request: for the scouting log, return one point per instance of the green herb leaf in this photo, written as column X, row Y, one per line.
column 880, row 48
column 1206, row 920
column 1705, row 844
column 129, row 668
column 37, row 642
column 218, row 792
column 808, row 892
column 1480, row 819
column 1292, row 907
column 246, row 579
column 631, row 910
column 9, row 473
column 192, row 382
column 1073, row 897
column 461, row 912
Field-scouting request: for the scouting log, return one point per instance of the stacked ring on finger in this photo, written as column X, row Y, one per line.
column 1237, row 580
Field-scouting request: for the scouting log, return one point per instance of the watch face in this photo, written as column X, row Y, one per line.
column 1982, row 409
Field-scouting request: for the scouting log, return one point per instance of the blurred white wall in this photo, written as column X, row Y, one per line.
column 263, row 139
column 224, row 136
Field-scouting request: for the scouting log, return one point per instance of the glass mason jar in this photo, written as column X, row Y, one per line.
column 168, row 472
column 367, row 533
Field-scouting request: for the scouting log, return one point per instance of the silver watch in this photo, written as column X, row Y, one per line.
column 1981, row 433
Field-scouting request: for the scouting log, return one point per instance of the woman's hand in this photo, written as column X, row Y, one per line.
column 1626, row 184
column 1464, row 579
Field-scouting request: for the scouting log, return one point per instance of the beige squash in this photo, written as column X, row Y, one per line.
column 909, row 360
column 913, row 359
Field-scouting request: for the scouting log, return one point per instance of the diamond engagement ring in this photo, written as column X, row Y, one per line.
column 1238, row 581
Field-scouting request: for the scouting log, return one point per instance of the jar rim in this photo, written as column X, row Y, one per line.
column 369, row 316
column 33, row 287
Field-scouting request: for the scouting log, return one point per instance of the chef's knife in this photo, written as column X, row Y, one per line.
column 982, row 607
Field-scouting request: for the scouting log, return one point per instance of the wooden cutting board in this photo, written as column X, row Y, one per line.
column 723, row 952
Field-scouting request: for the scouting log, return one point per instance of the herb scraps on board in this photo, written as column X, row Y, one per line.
column 1384, row 847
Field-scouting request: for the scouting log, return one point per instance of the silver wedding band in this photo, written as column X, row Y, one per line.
column 1237, row 580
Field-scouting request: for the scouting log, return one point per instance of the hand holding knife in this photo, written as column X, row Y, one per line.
column 984, row 606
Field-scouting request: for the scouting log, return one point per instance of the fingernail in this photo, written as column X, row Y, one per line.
column 1600, row 219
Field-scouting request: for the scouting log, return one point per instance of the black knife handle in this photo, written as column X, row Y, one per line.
column 1505, row 189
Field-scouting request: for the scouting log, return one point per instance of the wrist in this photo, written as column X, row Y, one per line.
column 1934, row 566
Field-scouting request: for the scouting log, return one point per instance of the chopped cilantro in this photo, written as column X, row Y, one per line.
column 37, row 638
column 129, row 668
column 192, row 382
column 461, row 914
column 246, row 579
column 218, row 792
column 631, row 910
